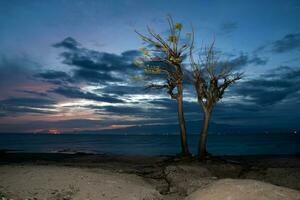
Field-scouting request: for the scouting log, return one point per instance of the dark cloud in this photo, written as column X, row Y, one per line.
column 74, row 92
column 94, row 76
column 30, row 102
column 131, row 54
column 228, row 27
column 288, row 43
column 243, row 60
column 235, row 60
column 239, row 61
column 15, row 105
column 135, row 110
column 90, row 65
column 55, row 77
column 16, row 72
column 271, row 88
column 258, row 60
column 16, row 79
column 68, row 43
column 15, row 110
column 94, row 66
column 285, row 72
column 41, row 94
column 85, row 61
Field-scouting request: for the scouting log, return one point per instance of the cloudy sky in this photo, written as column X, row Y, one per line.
column 67, row 65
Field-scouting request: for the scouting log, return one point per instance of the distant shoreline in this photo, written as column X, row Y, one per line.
column 7, row 157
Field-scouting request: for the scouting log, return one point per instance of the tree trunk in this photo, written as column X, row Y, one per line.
column 184, row 145
column 203, row 136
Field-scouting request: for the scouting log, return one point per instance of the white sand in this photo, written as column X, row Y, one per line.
column 133, row 178
column 238, row 189
column 58, row 183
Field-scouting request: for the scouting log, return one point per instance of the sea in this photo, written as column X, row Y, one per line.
column 217, row 144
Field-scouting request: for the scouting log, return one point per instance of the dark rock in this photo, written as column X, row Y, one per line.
column 185, row 179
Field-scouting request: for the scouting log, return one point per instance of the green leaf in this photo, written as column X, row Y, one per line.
column 145, row 51
column 152, row 70
column 137, row 78
column 142, row 49
column 178, row 26
column 172, row 38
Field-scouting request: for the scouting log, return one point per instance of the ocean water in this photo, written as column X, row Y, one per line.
column 229, row 144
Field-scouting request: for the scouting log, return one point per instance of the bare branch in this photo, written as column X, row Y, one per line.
column 211, row 89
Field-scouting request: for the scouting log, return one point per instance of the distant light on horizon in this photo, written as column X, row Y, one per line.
column 54, row 131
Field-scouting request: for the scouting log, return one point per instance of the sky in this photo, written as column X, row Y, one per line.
column 67, row 66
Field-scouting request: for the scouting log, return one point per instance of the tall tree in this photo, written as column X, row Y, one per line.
column 163, row 56
column 211, row 78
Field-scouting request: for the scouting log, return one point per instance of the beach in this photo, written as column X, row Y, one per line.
column 64, row 176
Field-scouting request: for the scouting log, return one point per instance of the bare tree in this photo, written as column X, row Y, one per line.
column 211, row 78
column 164, row 56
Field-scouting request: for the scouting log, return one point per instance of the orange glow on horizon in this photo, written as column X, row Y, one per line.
column 54, row 131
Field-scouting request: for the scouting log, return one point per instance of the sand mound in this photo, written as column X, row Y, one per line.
column 234, row 189
column 63, row 183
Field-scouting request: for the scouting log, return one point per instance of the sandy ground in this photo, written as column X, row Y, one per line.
column 104, row 177
column 61, row 183
column 243, row 189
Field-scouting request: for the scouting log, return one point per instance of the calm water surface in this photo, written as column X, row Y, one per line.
column 232, row 144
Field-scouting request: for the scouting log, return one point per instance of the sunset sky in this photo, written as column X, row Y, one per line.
column 67, row 65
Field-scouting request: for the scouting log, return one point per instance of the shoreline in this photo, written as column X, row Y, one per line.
column 261, row 160
column 160, row 177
